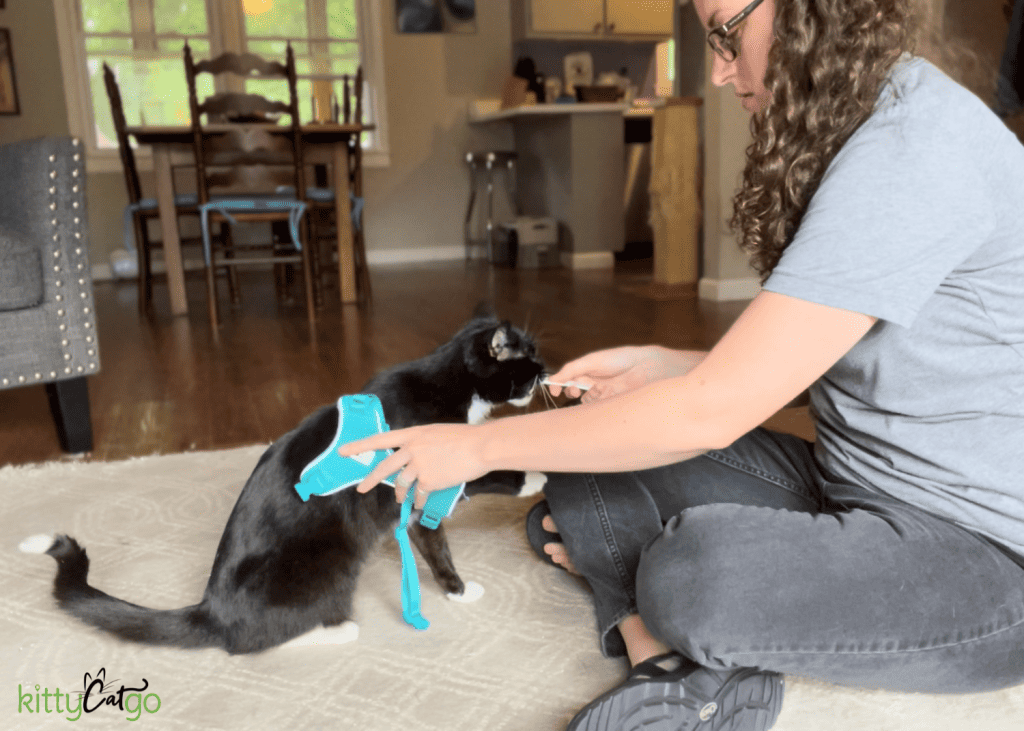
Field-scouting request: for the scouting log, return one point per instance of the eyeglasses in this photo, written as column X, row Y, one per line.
column 721, row 41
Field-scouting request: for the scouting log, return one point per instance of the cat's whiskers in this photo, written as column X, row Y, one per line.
column 549, row 400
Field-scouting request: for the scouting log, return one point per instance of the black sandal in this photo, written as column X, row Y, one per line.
column 535, row 533
column 655, row 699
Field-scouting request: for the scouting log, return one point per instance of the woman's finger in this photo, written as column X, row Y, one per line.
column 376, row 442
column 405, row 481
column 388, row 466
column 421, row 498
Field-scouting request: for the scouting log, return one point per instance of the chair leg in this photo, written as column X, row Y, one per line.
column 232, row 272
column 69, row 405
column 313, row 241
column 307, row 275
column 211, row 294
column 363, row 288
column 145, row 278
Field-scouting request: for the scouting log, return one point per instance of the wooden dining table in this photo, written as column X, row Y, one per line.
column 323, row 143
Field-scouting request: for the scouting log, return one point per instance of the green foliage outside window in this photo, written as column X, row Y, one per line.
column 149, row 67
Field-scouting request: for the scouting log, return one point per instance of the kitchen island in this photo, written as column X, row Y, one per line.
column 572, row 167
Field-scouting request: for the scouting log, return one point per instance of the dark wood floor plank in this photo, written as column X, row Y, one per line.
column 167, row 384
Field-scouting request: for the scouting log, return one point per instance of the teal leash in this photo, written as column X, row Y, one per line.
column 410, row 576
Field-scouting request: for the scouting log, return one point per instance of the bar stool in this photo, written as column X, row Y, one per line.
column 488, row 161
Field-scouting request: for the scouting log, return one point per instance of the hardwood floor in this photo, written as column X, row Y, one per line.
column 167, row 385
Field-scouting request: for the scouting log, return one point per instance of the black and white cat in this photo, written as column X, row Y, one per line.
column 286, row 570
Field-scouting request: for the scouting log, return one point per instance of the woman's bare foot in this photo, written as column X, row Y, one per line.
column 557, row 550
column 641, row 645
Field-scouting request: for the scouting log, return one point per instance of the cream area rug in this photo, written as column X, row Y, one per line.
column 522, row 658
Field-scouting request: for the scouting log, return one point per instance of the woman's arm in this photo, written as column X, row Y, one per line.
column 777, row 348
column 617, row 370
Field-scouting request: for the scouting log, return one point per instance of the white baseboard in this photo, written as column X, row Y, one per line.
column 727, row 290
column 588, row 260
column 416, row 256
column 385, row 257
column 104, row 272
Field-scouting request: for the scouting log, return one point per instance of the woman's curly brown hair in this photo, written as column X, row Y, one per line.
column 827, row 64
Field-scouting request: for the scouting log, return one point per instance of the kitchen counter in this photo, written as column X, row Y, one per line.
column 553, row 109
column 572, row 168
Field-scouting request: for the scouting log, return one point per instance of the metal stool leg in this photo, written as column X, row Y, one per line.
column 511, row 184
column 488, row 163
column 490, row 209
column 467, row 226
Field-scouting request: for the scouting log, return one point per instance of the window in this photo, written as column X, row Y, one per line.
column 142, row 41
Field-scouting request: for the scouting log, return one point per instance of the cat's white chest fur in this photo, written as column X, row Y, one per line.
column 479, row 410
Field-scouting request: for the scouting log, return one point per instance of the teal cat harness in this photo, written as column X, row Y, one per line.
column 359, row 416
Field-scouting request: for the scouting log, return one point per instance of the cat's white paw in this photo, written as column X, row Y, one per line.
column 533, row 484
column 471, row 593
column 323, row 636
column 36, row 544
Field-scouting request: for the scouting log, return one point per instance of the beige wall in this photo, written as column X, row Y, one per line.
column 418, row 201
column 726, row 271
column 37, row 71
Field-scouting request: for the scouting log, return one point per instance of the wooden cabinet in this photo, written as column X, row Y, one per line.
column 566, row 16
column 639, row 17
column 594, row 19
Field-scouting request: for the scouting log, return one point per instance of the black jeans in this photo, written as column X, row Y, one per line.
column 750, row 556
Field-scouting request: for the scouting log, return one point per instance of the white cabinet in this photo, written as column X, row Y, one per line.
column 608, row 19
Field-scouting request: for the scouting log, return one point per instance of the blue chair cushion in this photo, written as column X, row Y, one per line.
column 184, row 200
column 248, row 204
column 326, row 195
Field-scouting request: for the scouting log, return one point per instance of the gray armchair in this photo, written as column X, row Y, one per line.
column 47, row 312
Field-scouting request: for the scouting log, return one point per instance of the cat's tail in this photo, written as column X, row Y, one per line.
column 188, row 627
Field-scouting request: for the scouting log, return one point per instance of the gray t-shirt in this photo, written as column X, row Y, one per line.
column 919, row 221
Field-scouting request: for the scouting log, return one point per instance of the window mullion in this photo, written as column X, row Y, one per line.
column 230, row 37
column 143, row 28
column 319, row 55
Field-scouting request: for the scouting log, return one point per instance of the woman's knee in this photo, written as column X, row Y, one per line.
column 694, row 586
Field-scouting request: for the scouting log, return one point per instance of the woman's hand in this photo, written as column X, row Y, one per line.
column 434, row 457
column 617, row 370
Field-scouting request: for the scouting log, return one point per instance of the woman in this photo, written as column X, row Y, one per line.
column 881, row 203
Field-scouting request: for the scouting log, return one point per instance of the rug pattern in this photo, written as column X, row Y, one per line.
column 524, row 657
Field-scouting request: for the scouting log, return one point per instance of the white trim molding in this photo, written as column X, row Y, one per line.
column 728, row 290
column 588, row 260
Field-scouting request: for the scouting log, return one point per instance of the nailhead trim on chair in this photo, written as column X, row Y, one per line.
column 79, row 266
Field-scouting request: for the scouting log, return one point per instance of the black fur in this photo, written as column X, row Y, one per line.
column 284, row 567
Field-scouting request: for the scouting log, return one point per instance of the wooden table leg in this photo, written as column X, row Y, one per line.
column 169, row 229
column 343, row 219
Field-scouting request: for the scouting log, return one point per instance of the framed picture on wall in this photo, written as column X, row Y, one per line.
column 435, row 16
column 8, row 90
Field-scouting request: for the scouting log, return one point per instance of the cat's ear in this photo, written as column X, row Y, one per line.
column 484, row 311
column 499, row 347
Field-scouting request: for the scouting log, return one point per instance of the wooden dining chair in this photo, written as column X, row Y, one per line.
column 241, row 166
column 140, row 210
column 348, row 110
